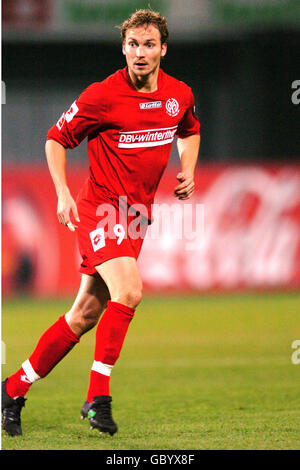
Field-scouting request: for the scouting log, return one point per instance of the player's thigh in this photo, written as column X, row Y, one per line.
column 90, row 302
column 123, row 280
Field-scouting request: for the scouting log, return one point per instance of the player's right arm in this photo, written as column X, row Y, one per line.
column 83, row 117
column 56, row 158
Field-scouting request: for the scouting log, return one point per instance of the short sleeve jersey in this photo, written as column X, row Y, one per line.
column 129, row 133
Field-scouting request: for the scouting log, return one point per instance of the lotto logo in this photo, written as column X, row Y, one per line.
column 153, row 104
column 97, row 238
column 24, row 378
column 172, row 107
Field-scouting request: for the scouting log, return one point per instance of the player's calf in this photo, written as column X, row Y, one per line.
column 82, row 321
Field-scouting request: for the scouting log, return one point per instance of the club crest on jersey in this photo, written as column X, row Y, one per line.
column 172, row 107
column 153, row 104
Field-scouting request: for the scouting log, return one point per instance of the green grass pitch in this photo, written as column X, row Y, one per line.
column 198, row 372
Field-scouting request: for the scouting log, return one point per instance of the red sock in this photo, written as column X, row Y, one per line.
column 53, row 345
column 110, row 335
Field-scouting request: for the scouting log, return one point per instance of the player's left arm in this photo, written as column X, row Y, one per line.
column 188, row 149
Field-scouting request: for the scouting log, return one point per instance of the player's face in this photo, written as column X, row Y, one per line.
column 143, row 49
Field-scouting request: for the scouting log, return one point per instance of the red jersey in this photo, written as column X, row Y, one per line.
column 130, row 134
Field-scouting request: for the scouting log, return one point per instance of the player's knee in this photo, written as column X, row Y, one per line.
column 130, row 297
column 135, row 298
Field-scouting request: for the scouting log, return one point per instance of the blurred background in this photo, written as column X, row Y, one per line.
column 215, row 339
column 241, row 59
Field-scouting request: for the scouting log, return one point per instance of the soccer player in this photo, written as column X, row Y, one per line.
column 130, row 120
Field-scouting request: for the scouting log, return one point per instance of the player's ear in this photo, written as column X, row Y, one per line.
column 163, row 49
column 123, row 47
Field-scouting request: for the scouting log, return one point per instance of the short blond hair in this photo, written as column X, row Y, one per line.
column 146, row 17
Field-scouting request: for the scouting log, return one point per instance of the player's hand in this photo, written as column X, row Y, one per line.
column 185, row 189
column 66, row 206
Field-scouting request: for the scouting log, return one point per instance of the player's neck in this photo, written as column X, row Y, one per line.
column 145, row 83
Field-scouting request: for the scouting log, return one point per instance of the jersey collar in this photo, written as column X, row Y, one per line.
column 159, row 82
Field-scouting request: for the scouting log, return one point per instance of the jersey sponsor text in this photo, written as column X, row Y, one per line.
column 147, row 137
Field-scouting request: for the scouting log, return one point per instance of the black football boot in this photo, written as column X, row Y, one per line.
column 99, row 414
column 11, row 412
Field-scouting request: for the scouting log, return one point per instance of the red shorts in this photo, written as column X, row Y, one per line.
column 107, row 231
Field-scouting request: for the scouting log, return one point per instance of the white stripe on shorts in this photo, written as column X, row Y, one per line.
column 104, row 369
column 30, row 372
